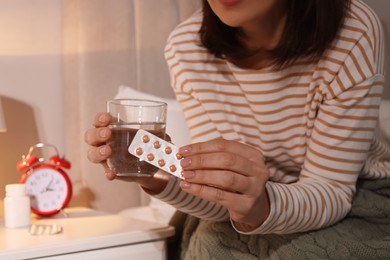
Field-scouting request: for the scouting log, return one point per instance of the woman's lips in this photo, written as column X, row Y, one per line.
column 229, row 2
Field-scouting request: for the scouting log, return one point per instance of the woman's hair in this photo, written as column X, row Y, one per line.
column 311, row 26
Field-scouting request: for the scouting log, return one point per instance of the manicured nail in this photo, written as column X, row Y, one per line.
column 102, row 118
column 103, row 133
column 185, row 162
column 188, row 174
column 185, row 150
column 185, row 185
column 102, row 150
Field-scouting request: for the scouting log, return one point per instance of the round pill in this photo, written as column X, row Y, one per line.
column 168, row 150
column 172, row 168
column 161, row 162
column 156, row 144
column 179, row 156
column 150, row 157
column 145, row 138
column 139, row 151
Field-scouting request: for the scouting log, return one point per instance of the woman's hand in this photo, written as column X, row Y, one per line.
column 97, row 138
column 99, row 152
column 231, row 174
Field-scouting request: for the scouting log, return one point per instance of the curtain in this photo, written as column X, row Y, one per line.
column 107, row 44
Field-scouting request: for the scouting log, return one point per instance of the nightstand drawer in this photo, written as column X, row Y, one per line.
column 146, row 251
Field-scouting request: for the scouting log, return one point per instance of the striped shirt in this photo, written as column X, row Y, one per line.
column 314, row 122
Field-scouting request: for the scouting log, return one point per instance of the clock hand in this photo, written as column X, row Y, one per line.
column 51, row 181
column 47, row 188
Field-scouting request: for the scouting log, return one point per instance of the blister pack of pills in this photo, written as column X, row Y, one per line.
column 156, row 151
column 39, row 229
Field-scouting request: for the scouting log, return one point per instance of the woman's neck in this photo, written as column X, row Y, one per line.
column 262, row 35
column 265, row 32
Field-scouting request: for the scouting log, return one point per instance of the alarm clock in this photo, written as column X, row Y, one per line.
column 47, row 184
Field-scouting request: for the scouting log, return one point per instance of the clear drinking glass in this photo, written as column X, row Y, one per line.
column 128, row 116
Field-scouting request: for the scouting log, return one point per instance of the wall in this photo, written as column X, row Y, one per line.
column 30, row 79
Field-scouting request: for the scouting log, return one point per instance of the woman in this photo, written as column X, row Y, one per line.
column 281, row 98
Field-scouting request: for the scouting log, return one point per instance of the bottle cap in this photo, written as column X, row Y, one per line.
column 15, row 189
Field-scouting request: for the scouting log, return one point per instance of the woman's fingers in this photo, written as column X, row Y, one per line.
column 225, row 165
column 97, row 136
column 110, row 174
column 209, row 193
column 101, row 133
column 222, row 179
column 230, row 174
column 233, row 201
column 226, row 180
column 221, row 160
column 99, row 154
column 102, row 119
column 222, row 145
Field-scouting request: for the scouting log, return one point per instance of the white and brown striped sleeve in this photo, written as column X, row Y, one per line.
column 173, row 194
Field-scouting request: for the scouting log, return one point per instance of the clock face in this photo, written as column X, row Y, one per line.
column 48, row 188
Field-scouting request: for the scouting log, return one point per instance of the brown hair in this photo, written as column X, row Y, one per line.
column 311, row 26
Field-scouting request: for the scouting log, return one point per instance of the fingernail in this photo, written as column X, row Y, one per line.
column 185, row 185
column 109, row 175
column 103, row 133
column 185, row 162
column 188, row 174
column 102, row 150
column 185, row 150
column 102, row 118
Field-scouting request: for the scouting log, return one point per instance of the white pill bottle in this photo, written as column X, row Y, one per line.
column 17, row 212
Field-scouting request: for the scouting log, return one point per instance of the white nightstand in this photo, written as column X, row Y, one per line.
column 88, row 234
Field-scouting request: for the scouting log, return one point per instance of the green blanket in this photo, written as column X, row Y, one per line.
column 363, row 234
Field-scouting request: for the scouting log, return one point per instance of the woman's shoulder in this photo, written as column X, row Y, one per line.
column 361, row 23
column 187, row 32
column 360, row 37
column 184, row 46
column 356, row 56
column 363, row 19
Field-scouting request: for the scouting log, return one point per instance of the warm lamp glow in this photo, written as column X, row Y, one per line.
column 3, row 127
